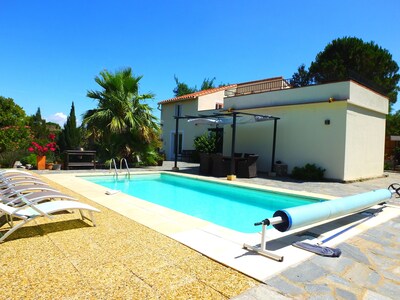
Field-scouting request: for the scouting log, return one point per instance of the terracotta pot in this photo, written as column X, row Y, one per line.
column 41, row 162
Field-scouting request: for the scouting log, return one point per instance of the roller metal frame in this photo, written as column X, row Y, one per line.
column 262, row 248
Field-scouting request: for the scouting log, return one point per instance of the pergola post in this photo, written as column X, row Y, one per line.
column 232, row 175
column 175, row 167
column 274, row 145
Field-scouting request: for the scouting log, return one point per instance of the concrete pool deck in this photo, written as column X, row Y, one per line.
column 367, row 267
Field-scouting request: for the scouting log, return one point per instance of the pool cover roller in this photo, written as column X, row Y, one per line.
column 304, row 215
column 300, row 216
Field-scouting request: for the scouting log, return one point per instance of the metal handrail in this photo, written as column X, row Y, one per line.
column 126, row 165
column 115, row 166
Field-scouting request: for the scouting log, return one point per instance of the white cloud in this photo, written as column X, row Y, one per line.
column 59, row 118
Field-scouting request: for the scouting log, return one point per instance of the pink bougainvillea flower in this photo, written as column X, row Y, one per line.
column 43, row 150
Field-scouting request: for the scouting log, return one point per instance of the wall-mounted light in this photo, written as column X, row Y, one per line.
column 327, row 122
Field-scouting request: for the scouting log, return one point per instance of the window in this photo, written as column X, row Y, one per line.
column 219, row 105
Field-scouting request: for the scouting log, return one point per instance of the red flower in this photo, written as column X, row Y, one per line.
column 43, row 150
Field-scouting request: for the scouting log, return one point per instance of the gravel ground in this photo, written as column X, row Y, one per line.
column 66, row 258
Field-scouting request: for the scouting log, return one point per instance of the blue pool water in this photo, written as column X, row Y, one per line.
column 230, row 206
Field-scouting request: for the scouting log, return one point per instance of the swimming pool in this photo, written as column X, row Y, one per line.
column 227, row 205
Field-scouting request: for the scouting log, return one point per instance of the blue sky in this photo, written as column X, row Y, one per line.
column 51, row 51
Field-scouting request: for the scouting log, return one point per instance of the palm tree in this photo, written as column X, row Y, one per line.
column 122, row 124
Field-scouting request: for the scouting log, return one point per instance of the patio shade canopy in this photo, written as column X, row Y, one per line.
column 241, row 118
column 229, row 118
column 224, row 120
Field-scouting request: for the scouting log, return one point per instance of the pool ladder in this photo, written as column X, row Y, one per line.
column 122, row 163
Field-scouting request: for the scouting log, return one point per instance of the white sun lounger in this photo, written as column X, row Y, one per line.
column 32, row 211
column 25, row 188
column 14, row 171
column 35, row 197
column 9, row 177
column 20, row 181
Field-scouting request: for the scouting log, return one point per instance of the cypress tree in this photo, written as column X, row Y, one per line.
column 70, row 137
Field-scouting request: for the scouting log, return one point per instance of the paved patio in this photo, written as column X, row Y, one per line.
column 367, row 269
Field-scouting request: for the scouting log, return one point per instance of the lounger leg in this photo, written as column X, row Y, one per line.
column 91, row 219
column 12, row 229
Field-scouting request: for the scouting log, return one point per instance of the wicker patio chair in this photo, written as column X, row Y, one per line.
column 220, row 166
column 247, row 168
column 205, row 164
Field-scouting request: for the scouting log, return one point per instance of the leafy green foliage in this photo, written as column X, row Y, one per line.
column 14, row 138
column 301, row 77
column 11, row 114
column 308, row 172
column 29, row 159
column 344, row 57
column 393, row 124
column 14, row 143
column 205, row 143
column 183, row 89
column 121, row 125
column 207, row 84
column 38, row 125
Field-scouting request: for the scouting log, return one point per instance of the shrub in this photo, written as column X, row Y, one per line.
column 205, row 143
column 308, row 172
column 13, row 138
column 29, row 159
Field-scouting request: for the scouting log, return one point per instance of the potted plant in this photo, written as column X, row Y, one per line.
column 161, row 158
column 41, row 149
column 205, row 146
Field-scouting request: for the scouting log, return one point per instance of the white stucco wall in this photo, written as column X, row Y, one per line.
column 368, row 99
column 188, row 130
column 365, row 143
column 208, row 102
column 308, row 94
column 302, row 137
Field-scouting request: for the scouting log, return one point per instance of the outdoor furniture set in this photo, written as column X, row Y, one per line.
column 217, row 165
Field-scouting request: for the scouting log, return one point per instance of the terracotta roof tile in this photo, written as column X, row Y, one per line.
column 197, row 94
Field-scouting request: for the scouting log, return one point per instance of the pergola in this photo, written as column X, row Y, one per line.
column 228, row 118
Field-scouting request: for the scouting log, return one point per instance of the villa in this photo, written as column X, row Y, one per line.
column 337, row 126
